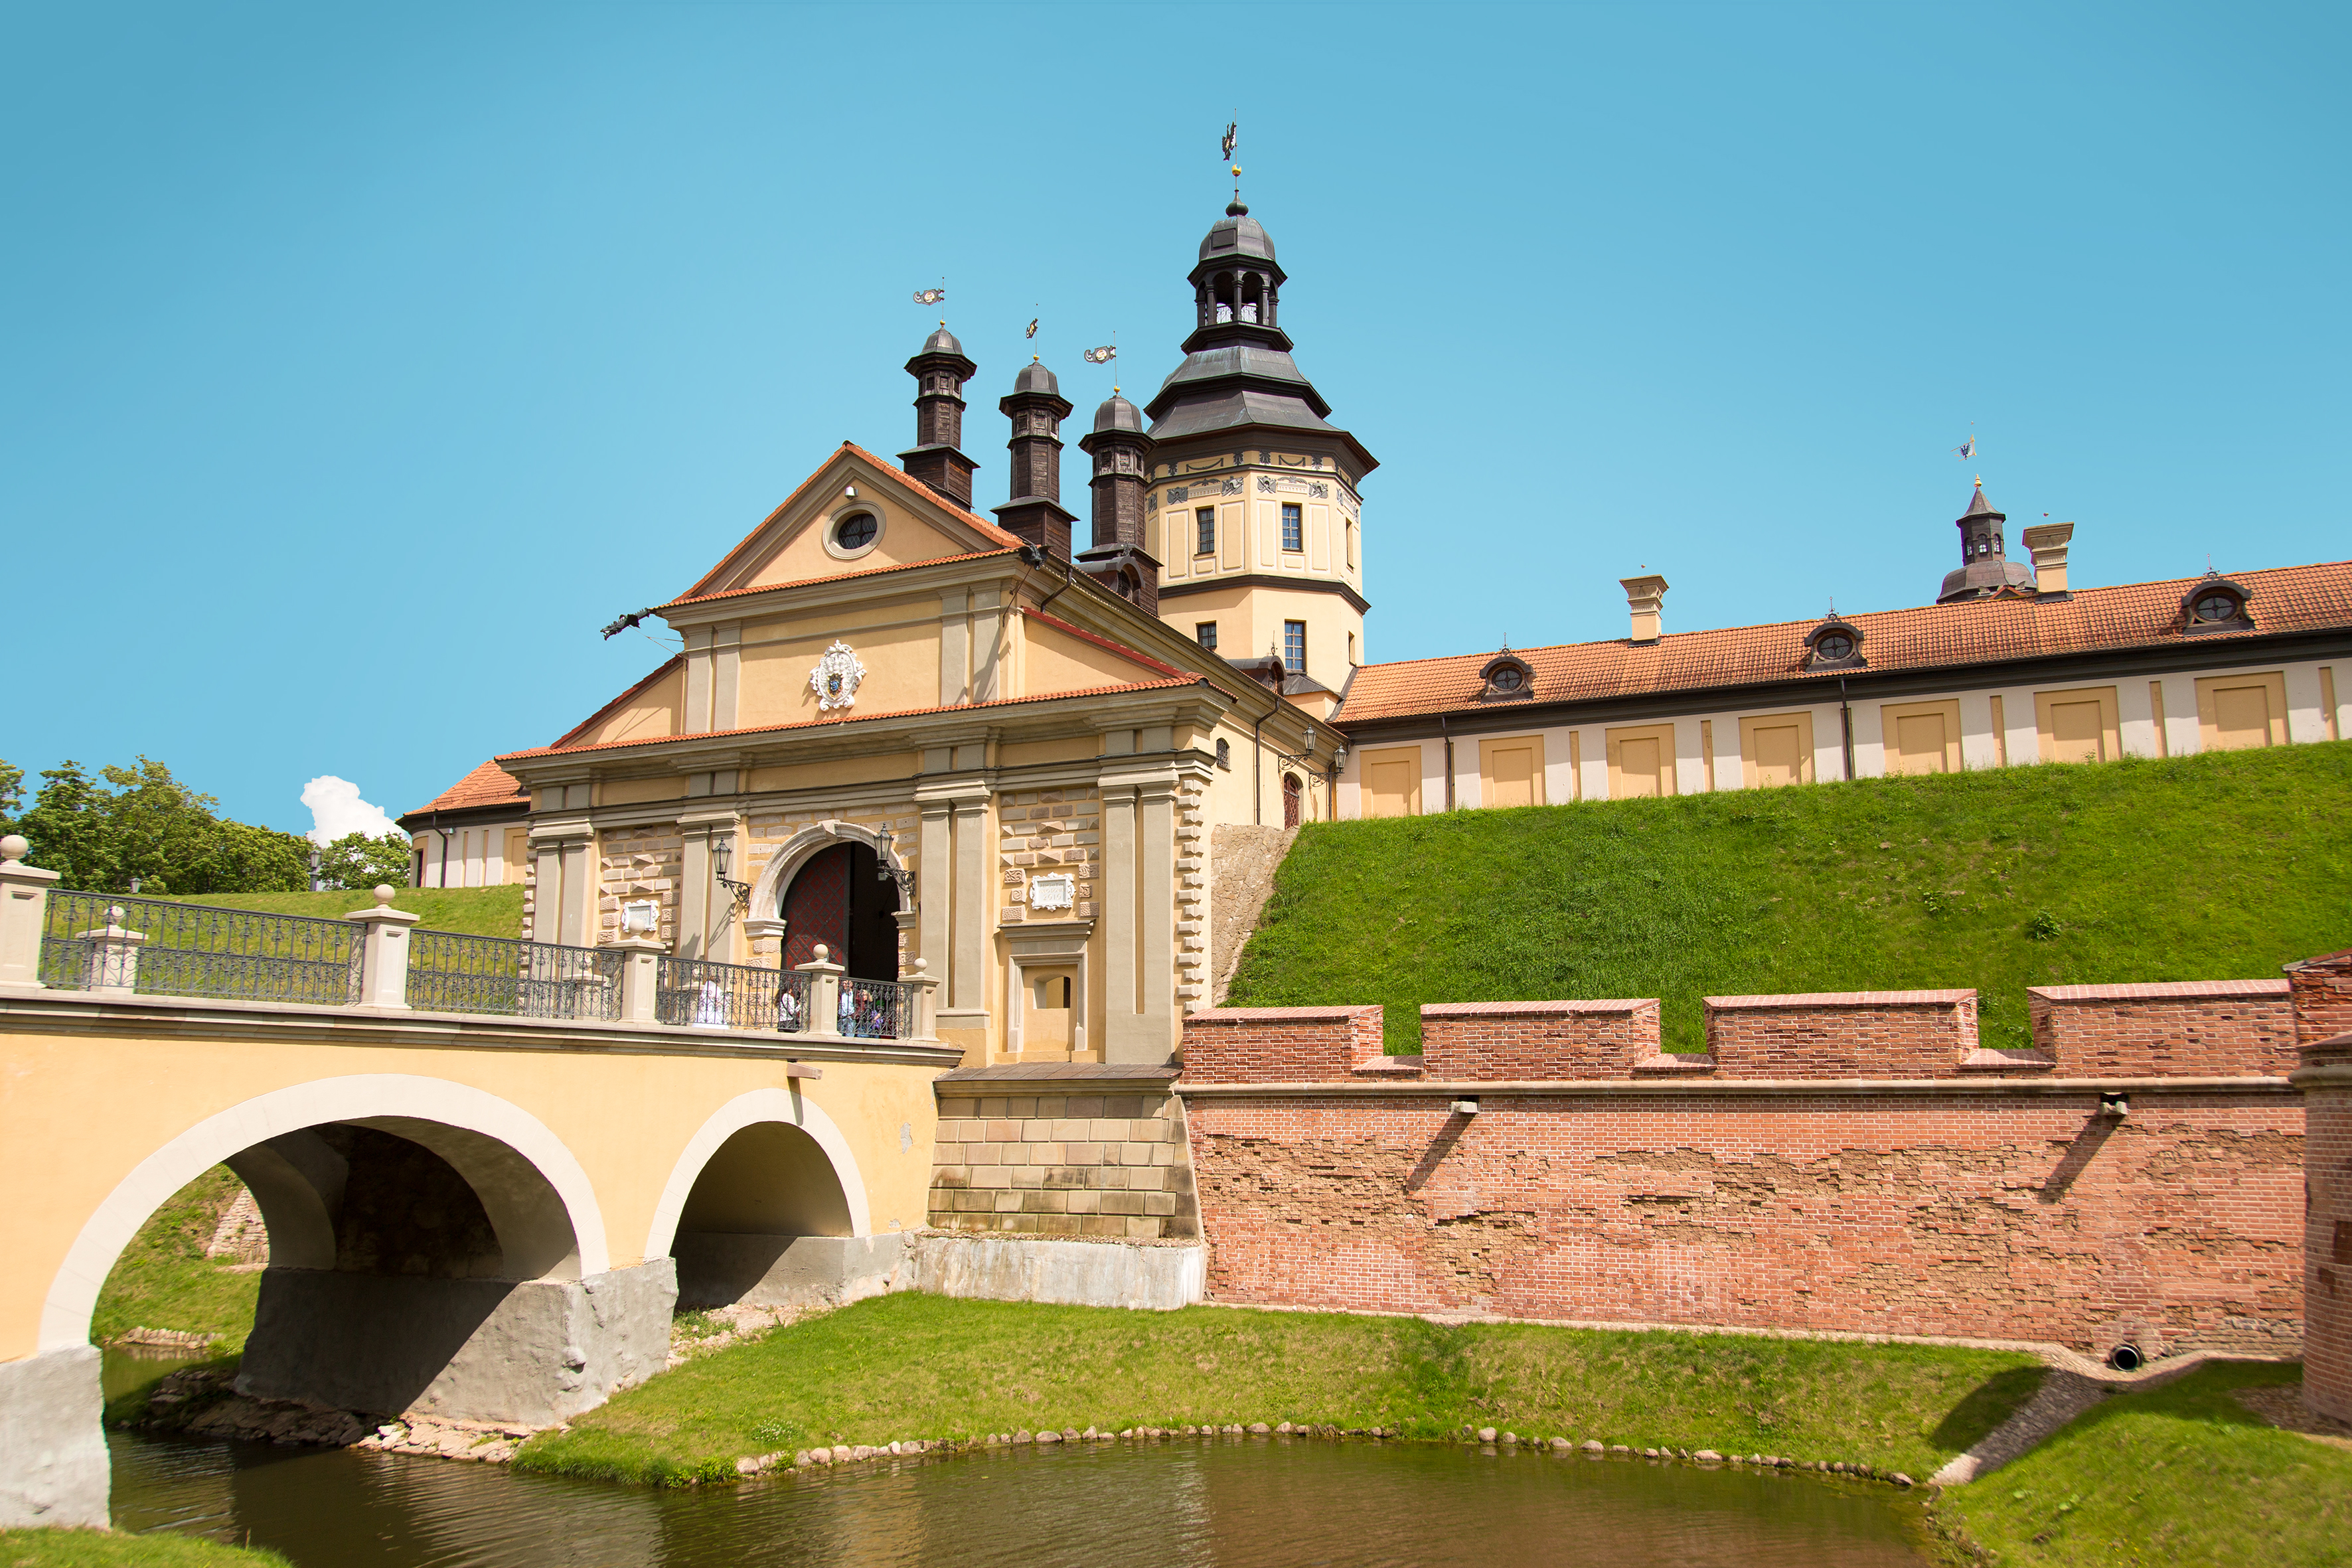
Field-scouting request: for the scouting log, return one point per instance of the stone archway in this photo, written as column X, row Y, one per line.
column 880, row 902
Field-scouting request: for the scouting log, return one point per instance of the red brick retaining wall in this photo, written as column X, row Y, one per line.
column 2326, row 1083
column 2202, row 1028
column 1281, row 1045
column 2322, row 996
column 1505, row 1040
column 1858, row 1034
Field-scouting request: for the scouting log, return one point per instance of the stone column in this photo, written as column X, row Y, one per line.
column 24, row 912
column 640, row 979
column 968, row 977
column 1155, row 853
column 384, row 952
column 2325, row 1080
column 934, row 884
column 1117, row 893
column 824, row 1017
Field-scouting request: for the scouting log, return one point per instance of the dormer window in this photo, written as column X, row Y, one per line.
column 2216, row 605
column 1835, row 645
column 1505, row 678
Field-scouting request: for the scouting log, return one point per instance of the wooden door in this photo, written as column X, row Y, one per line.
column 816, row 909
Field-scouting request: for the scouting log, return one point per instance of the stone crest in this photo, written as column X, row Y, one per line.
column 835, row 679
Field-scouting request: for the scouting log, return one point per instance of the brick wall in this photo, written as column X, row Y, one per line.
column 2327, row 1080
column 1079, row 1154
column 1506, row 1040
column 1843, row 1034
column 2322, row 996
column 2200, row 1028
column 1996, row 1209
column 1286, row 1045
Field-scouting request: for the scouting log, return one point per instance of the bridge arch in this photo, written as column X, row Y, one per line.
column 743, row 1113
column 537, row 1196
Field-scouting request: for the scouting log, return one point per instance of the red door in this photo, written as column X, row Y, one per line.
column 816, row 910
column 1290, row 798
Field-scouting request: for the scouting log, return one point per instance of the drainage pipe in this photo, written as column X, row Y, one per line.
column 1845, row 722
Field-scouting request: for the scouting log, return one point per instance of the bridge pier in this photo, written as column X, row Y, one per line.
column 532, row 1352
column 53, row 1463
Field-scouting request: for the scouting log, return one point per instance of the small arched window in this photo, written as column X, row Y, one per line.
column 1225, row 755
column 1292, row 796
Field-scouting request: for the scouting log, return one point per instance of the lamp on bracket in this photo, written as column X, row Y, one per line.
column 722, row 861
column 890, row 869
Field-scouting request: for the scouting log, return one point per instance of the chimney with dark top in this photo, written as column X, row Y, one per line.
column 1121, row 455
column 1036, row 409
column 937, row 458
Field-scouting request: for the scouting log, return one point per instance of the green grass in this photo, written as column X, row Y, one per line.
column 164, row 1280
column 476, row 911
column 2182, row 1474
column 106, row 1548
column 925, row 1366
column 2207, row 867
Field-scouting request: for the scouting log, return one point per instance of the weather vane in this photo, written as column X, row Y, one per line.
column 932, row 296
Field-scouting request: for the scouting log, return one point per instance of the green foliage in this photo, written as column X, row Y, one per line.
column 100, row 833
column 110, row 1549
column 2182, row 1475
column 476, row 912
column 12, row 796
column 164, row 1280
column 355, row 860
column 2206, row 867
column 926, row 1366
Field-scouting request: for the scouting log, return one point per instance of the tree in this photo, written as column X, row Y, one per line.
column 355, row 860
column 140, row 822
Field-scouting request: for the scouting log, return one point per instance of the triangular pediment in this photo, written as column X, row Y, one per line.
column 806, row 539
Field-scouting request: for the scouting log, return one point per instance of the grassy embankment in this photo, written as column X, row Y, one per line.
column 925, row 1366
column 476, row 911
column 164, row 1280
column 2207, row 867
column 2181, row 1475
column 107, row 1549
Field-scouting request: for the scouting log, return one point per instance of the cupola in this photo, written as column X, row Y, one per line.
column 937, row 456
column 1121, row 456
column 1985, row 570
column 1035, row 515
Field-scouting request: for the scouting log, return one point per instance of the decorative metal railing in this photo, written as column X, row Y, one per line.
column 197, row 949
column 877, row 1009
column 697, row 994
column 452, row 972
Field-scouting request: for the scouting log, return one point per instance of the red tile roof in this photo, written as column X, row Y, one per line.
column 1930, row 636
column 560, row 749
column 488, row 784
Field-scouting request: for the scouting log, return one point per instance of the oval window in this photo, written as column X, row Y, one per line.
column 2216, row 608
column 855, row 532
column 1835, row 646
column 1506, row 678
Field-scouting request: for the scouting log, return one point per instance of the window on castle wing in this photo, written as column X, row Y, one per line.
column 1294, row 526
column 1294, row 647
column 1205, row 634
column 1351, row 545
column 1204, row 531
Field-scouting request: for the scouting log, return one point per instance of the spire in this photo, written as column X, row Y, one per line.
column 1036, row 408
column 1121, row 455
column 937, row 458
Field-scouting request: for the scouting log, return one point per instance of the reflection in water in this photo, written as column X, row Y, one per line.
column 1226, row 1503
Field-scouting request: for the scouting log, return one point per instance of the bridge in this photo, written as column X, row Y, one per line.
column 489, row 1169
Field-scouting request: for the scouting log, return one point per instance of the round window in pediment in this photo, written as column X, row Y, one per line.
column 855, row 532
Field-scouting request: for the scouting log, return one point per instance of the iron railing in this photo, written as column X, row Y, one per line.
column 201, row 950
column 877, row 1009
column 451, row 973
column 698, row 994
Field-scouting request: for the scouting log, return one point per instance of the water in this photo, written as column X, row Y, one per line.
column 1188, row 1504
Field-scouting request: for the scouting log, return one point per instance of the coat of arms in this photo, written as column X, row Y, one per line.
column 835, row 679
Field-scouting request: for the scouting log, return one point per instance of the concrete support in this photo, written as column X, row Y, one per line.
column 24, row 912
column 800, row 1271
column 1076, row 1273
column 927, row 1001
column 53, row 1465
column 529, row 1351
column 384, row 952
column 1119, row 911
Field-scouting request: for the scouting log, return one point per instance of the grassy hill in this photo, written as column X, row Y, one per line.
column 2208, row 867
column 476, row 912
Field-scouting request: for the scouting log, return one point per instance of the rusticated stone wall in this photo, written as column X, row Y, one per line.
column 1072, row 1149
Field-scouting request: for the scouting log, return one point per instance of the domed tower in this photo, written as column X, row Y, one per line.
column 1036, row 408
column 1121, row 454
column 1986, row 568
column 937, row 458
column 1253, row 504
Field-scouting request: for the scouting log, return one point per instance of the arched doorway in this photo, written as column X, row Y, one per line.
column 1293, row 793
column 841, row 897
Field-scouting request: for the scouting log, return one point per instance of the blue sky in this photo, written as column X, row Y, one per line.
column 360, row 362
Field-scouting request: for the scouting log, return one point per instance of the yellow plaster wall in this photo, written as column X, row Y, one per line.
column 800, row 555
column 902, row 660
column 626, row 1116
column 879, row 767
column 1055, row 661
column 636, row 792
column 653, row 712
column 1249, row 624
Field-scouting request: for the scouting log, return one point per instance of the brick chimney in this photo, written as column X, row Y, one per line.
column 1646, row 596
column 2048, row 541
column 935, row 458
column 1036, row 409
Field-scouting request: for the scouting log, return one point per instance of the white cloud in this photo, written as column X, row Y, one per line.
column 337, row 809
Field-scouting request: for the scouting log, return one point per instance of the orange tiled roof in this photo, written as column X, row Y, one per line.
column 488, row 784
column 560, row 749
column 1929, row 637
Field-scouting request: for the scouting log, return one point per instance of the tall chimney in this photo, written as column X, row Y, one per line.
column 2048, row 541
column 1121, row 454
column 1646, row 596
column 935, row 458
column 1036, row 409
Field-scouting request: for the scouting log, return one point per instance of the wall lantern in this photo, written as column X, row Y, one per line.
column 889, row 869
column 722, row 861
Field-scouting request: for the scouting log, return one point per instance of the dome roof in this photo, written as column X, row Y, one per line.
column 1237, row 234
column 1117, row 414
column 1035, row 377
column 943, row 343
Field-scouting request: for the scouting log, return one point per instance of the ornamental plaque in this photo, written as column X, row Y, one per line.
column 835, row 679
column 1054, row 890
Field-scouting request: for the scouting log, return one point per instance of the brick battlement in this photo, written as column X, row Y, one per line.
column 2322, row 996
column 1465, row 1041
column 2197, row 1029
column 1843, row 1034
column 1282, row 1045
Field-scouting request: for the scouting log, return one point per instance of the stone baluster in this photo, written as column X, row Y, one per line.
column 641, row 978
column 24, row 914
column 384, row 952
column 823, row 993
column 924, row 1025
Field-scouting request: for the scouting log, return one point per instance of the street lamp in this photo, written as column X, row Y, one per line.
column 722, row 859
column 887, row 870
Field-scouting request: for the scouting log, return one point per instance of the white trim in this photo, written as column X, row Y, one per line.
column 361, row 1097
column 783, row 1105
column 840, row 514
